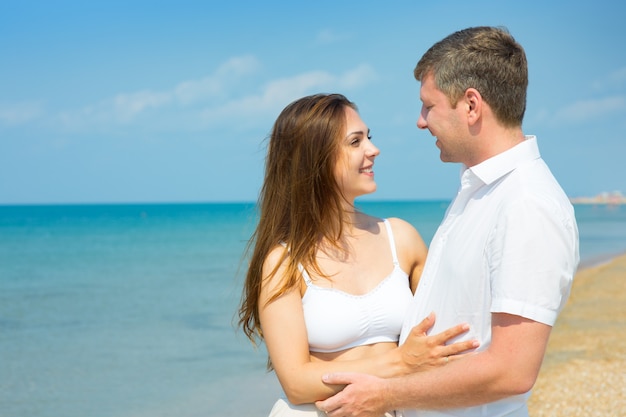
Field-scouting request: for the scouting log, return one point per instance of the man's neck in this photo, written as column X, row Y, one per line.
column 498, row 140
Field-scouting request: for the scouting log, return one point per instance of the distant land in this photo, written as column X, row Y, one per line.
column 609, row 198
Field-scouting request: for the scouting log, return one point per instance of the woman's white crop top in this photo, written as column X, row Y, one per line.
column 336, row 320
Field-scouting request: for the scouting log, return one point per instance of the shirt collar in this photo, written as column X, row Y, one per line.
column 498, row 166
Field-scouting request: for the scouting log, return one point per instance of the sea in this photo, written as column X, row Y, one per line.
column 129, row 310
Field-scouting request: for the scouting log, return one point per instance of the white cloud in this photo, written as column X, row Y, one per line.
column 361, row 75
column 127, row 106
column 278, row 93
column 618, row 76
column 192, row 91
column 298, row 85
column 13, row 114
column 275, row 95
column 327, row 36
column 124, row 108
column 588, row 110
column 615, row 80
column 213, row 100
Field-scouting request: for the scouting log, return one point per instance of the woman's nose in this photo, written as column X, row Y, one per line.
column 373, row 150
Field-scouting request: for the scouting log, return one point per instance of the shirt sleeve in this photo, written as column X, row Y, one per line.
column 532, row 257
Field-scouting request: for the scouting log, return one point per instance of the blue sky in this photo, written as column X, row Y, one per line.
column 170, row 101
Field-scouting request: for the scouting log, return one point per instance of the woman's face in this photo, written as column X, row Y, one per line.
column 354, row 170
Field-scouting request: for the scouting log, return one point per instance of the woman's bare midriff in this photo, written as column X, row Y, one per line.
column 354, row 353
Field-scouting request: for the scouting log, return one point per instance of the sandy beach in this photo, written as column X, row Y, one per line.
column 584, row 372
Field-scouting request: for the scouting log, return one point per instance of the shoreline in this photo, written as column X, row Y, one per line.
column 597, row 260
column 584, row 370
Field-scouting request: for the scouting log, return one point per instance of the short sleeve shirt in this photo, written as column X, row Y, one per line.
column 508, row 244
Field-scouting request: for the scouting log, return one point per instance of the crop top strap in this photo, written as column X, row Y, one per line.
column 305, row 274
column 392, row 243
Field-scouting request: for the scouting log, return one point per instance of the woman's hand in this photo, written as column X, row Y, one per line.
column 420, row 352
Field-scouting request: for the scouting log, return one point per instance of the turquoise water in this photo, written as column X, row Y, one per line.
column 127, row 310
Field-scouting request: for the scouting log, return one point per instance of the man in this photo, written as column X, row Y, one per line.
column 503, row 258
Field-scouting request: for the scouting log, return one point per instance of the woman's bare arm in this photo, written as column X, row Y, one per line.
column 285, row 336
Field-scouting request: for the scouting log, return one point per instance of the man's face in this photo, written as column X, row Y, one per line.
column 447, row 124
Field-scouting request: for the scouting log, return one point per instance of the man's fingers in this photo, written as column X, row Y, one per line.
column 338, row 378
column 458, row 347
column 452, row 332
column 457, row 356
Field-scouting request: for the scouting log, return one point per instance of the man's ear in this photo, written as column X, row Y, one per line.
column 474, row 103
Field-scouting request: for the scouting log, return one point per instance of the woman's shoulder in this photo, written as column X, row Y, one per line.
column 406, row 235
column 274, row 268
column 275, row 257
column 401, row 225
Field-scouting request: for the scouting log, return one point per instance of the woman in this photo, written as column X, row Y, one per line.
column 328, row 286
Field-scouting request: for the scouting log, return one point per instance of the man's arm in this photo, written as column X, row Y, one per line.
column 509, row 366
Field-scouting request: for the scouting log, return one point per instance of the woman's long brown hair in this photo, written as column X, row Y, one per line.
column 300, row 201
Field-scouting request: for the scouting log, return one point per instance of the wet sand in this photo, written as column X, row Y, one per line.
column 584, row 371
